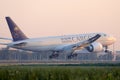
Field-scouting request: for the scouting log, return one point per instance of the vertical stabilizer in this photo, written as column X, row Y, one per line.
column 16, row 33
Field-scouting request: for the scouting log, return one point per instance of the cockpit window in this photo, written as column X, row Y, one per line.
column 104, row 34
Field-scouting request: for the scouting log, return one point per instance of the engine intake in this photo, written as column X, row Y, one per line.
column 95, row 47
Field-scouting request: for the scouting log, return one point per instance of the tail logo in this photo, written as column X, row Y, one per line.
column 15, row 34
column 16, row 29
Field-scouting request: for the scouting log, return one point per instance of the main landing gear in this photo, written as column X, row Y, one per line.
column 54, row 55
column 107, row 51
column 72, row 56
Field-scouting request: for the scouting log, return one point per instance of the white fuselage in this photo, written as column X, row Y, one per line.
column 50, row 43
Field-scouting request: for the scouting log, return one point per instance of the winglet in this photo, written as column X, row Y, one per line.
column 16, row 33
column 94, row 38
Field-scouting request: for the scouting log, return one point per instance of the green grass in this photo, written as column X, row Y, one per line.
column 59, row 73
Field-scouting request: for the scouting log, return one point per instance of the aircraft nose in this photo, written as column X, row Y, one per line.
column 113, row 39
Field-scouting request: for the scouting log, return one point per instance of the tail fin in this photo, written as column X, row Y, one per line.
column 16, row 33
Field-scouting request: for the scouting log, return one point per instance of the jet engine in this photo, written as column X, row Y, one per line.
column 95, row 47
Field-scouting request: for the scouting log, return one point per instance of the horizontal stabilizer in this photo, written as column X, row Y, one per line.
column 6, row 39
column 4, row 43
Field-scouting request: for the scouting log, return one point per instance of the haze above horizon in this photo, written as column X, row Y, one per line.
column 38, row 18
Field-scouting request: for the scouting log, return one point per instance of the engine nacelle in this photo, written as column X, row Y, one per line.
column 95, row 47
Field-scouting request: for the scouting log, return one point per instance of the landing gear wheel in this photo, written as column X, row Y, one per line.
column 107, row 51
column 53, row 56
column 72, row 56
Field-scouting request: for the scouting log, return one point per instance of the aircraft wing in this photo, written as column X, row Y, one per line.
column 85, row 43
column 78, row 45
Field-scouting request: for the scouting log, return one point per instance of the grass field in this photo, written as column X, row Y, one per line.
column 59, row 73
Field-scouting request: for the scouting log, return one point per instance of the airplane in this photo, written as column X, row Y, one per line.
column 93, row 42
